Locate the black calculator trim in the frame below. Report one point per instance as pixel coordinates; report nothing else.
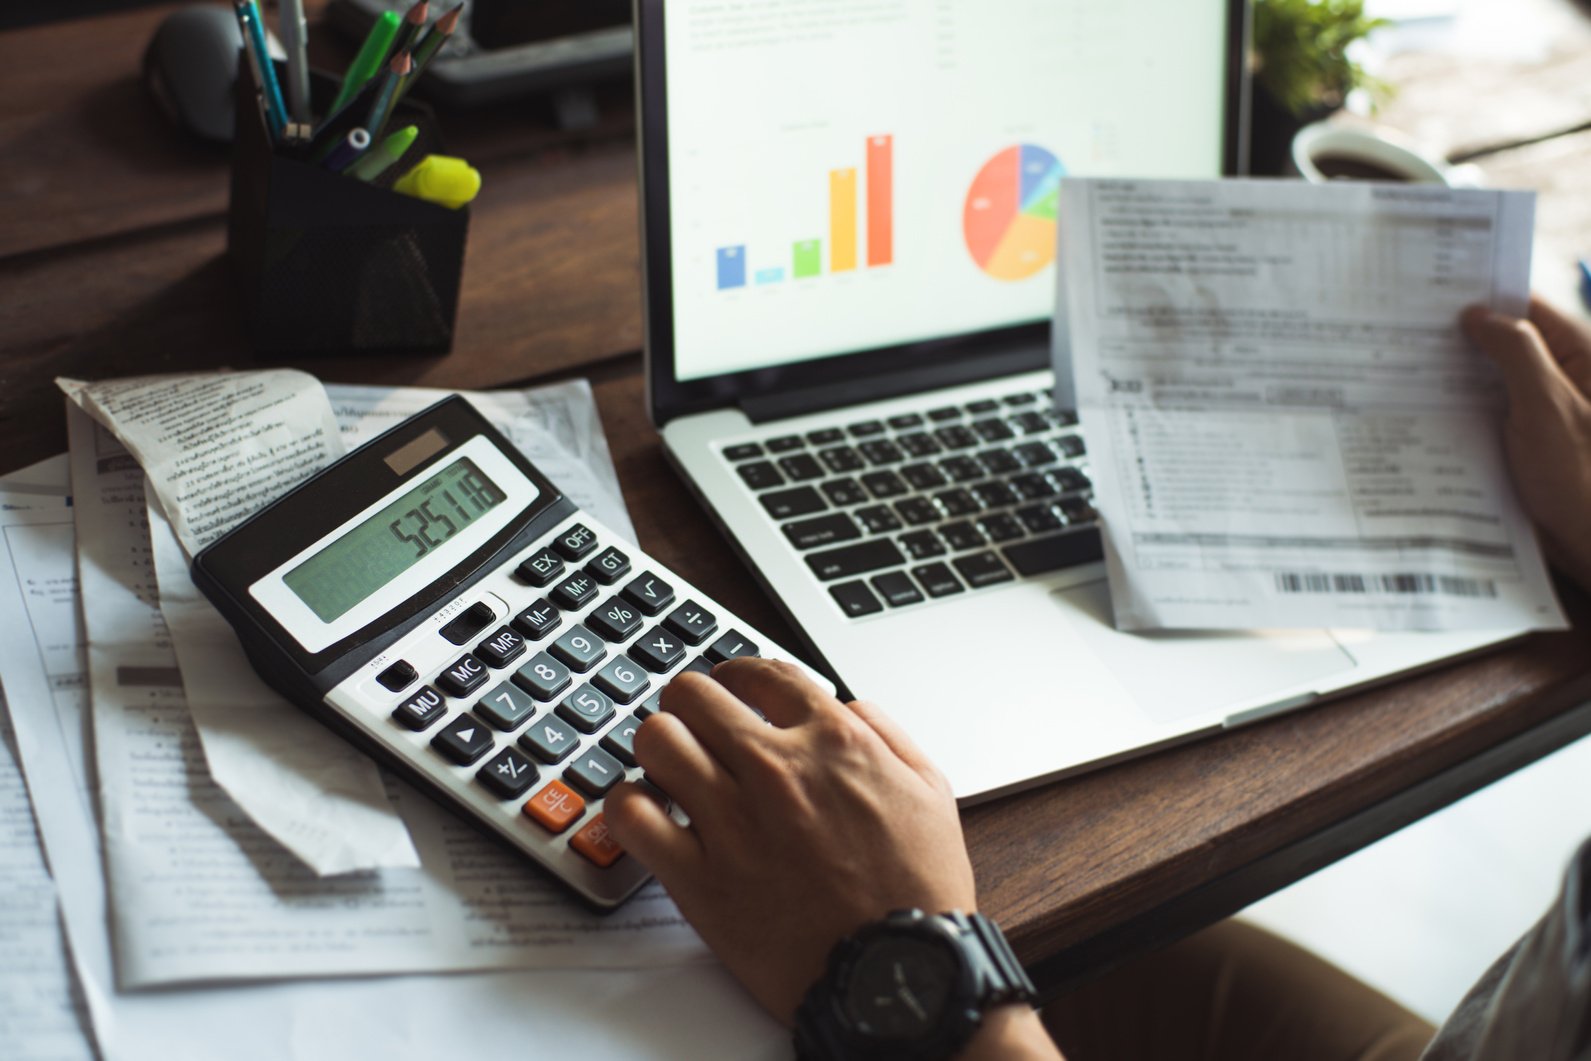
(248, 552)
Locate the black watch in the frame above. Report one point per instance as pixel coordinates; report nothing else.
(912, 987)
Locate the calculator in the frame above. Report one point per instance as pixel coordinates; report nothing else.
(436, 600)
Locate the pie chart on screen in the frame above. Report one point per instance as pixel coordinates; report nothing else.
(1009, 216)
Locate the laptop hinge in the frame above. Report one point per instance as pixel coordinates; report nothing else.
(858, 390)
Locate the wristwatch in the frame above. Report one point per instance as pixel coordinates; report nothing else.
(912, 987)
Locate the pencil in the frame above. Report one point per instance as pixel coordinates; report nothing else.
(413, 22)
(381, 109)
(432, 43)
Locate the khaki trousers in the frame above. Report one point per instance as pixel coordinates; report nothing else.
(1233, 993)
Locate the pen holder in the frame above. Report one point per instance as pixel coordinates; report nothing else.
(327, 263)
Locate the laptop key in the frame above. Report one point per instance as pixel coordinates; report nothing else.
(842, 492)
(1024, 398)
(962, 536)
(947, 412)
(955, 436)
(1035, 454)
(897, 589)
(878, 519)
(785, 443)
(962, 469)
(825, 436)
(884, 485)
(992, 430)
(1077, 510)
(958, 502)
(1070, 479)
(842, 459)
(1002, 527)
(995, 494)
(918, 511)
(1039, 519)
(801, 467)
(796, 501)
(821, 530)
(743, 451)
(918, 444)
(982, 405)
(982, 569)
(923, 476)
(904, 421)
(856, 559)
(937, 579)
(760, 475)
(855, 599)
(1071, 446)
(1038, 555)
(866, 428)
(1033, 486)
(882, 451)
(1030, 423)
(999, 461)
(922, 545)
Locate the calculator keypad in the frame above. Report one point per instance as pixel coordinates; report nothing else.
(538, 714)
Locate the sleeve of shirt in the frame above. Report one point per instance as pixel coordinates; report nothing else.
(1535, 1001)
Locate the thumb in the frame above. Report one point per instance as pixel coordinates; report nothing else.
(1532, 375)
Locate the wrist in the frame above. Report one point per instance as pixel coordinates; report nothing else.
(1011, 1032)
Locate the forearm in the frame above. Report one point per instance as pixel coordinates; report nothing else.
(1011, 1033)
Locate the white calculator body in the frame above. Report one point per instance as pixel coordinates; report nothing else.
(433, 598)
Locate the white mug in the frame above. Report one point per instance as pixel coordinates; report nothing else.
(1324, 151)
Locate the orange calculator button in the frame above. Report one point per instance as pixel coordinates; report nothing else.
(556, 807)
(596, 843)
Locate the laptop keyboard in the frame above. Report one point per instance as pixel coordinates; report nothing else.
(893, 513)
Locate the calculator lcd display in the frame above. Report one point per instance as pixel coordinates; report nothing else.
(393, 540)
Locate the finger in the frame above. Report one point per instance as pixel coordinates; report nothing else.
(1568, 341)
(644, 829)
(1535, 381)
(676, 762)
(724, 725)
(781, 691)
(896, 739)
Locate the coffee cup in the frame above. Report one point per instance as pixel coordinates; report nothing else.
(1325, 152)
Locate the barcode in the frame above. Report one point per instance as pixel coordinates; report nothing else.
(1446, 585)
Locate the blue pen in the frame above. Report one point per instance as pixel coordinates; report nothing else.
(254, 32)
(1585, 282)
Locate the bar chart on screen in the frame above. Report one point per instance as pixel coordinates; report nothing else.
(860, 235)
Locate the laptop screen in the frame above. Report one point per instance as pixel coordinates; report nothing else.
(852, 174)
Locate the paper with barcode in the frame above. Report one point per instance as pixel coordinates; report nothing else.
(1287, 427)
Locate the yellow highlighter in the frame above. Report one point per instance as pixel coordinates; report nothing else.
(439, 179)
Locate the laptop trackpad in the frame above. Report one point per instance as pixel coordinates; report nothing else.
(1176, 675)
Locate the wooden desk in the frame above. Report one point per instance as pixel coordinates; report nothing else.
(111, 235)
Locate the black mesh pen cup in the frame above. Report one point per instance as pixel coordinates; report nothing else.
(327, 263)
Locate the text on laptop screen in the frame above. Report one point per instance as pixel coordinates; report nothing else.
(850, 174)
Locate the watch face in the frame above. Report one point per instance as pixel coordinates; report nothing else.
(897, 987)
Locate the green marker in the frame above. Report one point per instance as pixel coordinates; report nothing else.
(379, 158)
(370, 59)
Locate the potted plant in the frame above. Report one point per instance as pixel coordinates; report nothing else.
(1302, 70)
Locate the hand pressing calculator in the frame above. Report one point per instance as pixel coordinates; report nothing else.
(434, 599)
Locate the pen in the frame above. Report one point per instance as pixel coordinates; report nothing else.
(254, 36)
(429, 45)
(295, 39)
(449, 182)
(381, 109)
(371, 55)
(347, 151)
(335, 126)
(1585, 282)
(380, 158)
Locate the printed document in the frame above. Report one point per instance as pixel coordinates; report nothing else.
(1286, 426)
(673, 1013)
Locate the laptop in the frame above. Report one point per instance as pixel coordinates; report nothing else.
(849, 230)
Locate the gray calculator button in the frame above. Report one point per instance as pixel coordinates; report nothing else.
(732, 645)
(650, 706)
(649, 593)
(538, 620)
(615, 619)
(699, 665)
(620, 740)
(509, 775)
(506, 706)
(575, 592)
(463, 676)
(463, 740)
(692, 622)
(549, 739)
(594, 772)
(502, 648)
(658, 649)
(543, 677)
(579, 648)
(541, 568)
(586, 709)
(623, 679)
(420, 711)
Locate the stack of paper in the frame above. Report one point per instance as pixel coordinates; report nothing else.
(164, 878)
